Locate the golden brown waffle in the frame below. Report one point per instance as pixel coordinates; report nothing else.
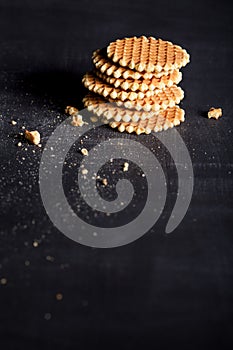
(147, 54)
(110, 111)
(132, 120)
(144, 84)
(168, 97)
(165, 119)
(95, 84)
(108, 67)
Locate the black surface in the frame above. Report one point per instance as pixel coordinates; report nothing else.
(162, 290)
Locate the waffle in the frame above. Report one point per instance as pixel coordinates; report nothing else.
(144, 84)
(108, 67)
(163, 120)
(168, 97)
(95, 84)
(110, 111)
(132, 120)
(147, 54)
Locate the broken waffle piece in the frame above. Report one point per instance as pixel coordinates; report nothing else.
(215, 113)
(32, 136)
(77, 120)
(84, 151)
(125, 166)
(71, 110)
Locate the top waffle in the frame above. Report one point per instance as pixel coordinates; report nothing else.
(147, 54)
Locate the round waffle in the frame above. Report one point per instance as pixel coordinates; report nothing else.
(143, 84)
(108, 67)
(97, 85)
(168, 97)
(111, 112)
(164, 120)
(147, 54)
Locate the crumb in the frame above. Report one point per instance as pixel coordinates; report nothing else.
(104, 182)
(94, 119)
(27, 263)
(35, 244)
(214, 113)
(84, 171)
(59, 296)
(23, 127)
(13, 122)
(84, 151)
(126, 166)
(71, 110)
(47, 316)
(77, 120)
(3, 281)
(50, 258)
(19, 144)
(33, 136)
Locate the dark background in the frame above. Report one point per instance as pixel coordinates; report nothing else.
(162, 290)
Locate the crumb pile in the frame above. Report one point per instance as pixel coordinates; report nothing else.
(139, 77)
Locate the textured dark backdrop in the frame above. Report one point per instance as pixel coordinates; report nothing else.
(159, 291)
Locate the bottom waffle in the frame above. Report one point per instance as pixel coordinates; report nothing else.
(130, 120)
(165, 119)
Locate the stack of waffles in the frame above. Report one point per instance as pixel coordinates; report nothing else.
(133, 86)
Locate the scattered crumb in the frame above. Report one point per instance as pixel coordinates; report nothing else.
(3, 281)
(104, 182)
(33, 136)
(23, 127)
(59, 296)
(47, 316)
(84, 151)
(71, 110)
(126, 166)
(35, 244)
(50, 258)
(214, 113)
(13, 122)
(77, 120)
(19, 144)
(84, 171)
(94, 119)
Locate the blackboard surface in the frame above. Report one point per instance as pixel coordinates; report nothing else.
(162, 290)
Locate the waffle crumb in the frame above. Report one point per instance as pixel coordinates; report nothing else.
(59, 296)
(13, 122)
(84, 171)
(32, 136)
(214, 113)
(71, 110)
(126, 166)
(3, 281)
(77, 120)
(19, 144)
(35, 244)
(94, 119)
(104, 182)
(84, 151)
(47, 316)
